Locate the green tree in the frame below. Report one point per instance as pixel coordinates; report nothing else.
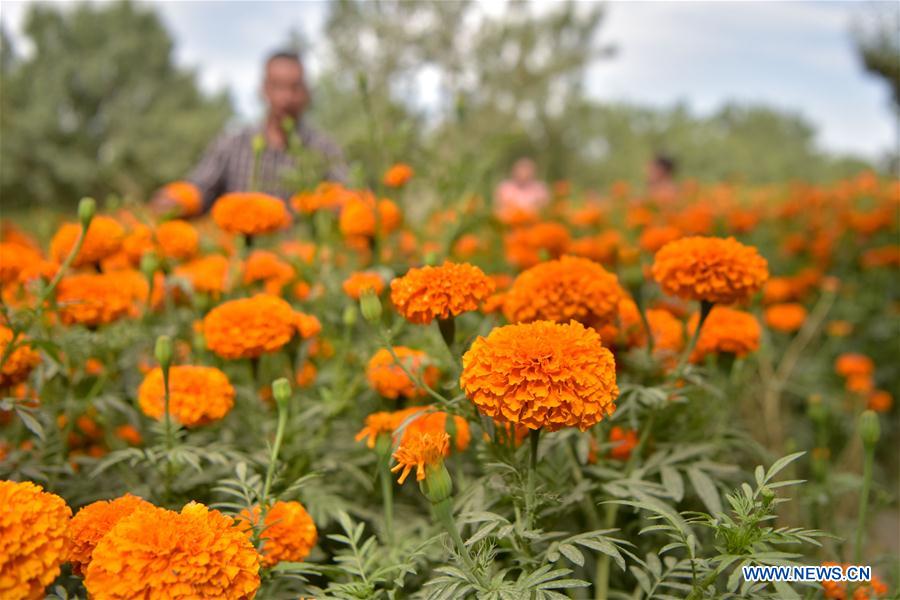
(99, 107)
(878, 45)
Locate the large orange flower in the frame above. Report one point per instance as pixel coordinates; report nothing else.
(177, 239)
(289, 533)
(187, 196)
(419, 450)
(429, 293)
(249, 327)
(250, 213)
(14, 258)
(710, 269)
(208, 274)
(99, 299)
(20, 361)
(104, 237)
(158, 553)
(33, 539)
(197, 395)
(388, 378)
(725, 331)
(542, 375)
(93, 522)
(564, 289)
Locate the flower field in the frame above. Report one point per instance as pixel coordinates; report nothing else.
(360, 395)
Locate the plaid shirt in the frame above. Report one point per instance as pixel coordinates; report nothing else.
(227, 165)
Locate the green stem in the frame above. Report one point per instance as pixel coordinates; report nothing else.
(168, 437)
(273, 458)
(864, 503)
(444, 513)
(534, 438)
(705, 309)
(387, 493)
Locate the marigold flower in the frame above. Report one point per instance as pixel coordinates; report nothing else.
(542, 375)
(725, 331)
(93, 300)
(880, 401)
(249, 327)
(33, 539)
(307, 325)
(158, 553)
(599, 248)
(527, 246)
(710, 269)
(358, 217)
(289, 533)
(129, 434)
(361, 281)
(268, 268)
(654, 238)
(104, 237)
(387, 378)
(208, 274)
(305, 375)
(864, 590)
(93, 522)
(429, 293)
(623, 442)
(419, 450)
(667, 330)
(564, 289)
(398, 175)
(14, 258)
(787, 317)
(177, 239)
(437, 422)
(385, 422)
(187, 196)
(197, 395)
(850, 364)
(20, 361)
(250, 213)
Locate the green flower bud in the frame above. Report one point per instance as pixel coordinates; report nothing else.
(87, 208)
(370, 306)
(431, 258)
(163, 351)
(149, 264)
(869, 428)
(350, 315)
(437, 485)
(281, 389)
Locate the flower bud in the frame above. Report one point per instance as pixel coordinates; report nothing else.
(431, 258)
(869, 428)
(437, 485)
(370, 306)
(149, 264)
(281, 389)
(350, 315)
(87, 208)
(163, 351)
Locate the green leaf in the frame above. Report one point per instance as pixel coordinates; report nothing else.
(781, 463)
(572, 553)
(706, 489)
(673, 482)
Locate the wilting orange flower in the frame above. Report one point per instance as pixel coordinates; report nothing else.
(267, 267)
(159, 553)
(527, 246)
(787, 317)
(207, 274)
(654, 238)
(177, 239)
(197, 395)
(864, 590)
(104, 237)
(99, 299)
(725, 331)
(542, 375)
(388, 379)
(437, 422)
(129, 434)
(14, 258)
(289, 532)
(851, 364)
(385, 422)
(249, 327)
(361, 281)
(398, 175)
(564, 289)
(429, 293)
(93, 522)
(711, 269)
(187, 195)
(20, 361)
(623, 442)
(420, 450)
(33, 539)
(250, 213)
(358, 217)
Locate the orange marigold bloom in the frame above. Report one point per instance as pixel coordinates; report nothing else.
(249, 327)
(104, 237)
(654, 238)
(711, 269)
(289, 533)
(307, 325)
(886, 256)
(839, 328)
(850, 364)
(600, 248)
(420, 450)
(93, 522)
(361, 281)
(388, 378)
(542, 375)
(187, 195)
(623, 442)
(19, 363)
(564, 289)
(177, 239)
(864, 591)
(129, 434)
(197, 395)
(267, 267)
(93, 300)
(429, 293)
(667, 330)
(398, 175)
(306, 374)
(14, 258)
(358, 217)
(437, 422)
(880, 401)
(138, 242)
(208, 274)
(727, 331)
(250, 213)
(527, 246)
(385, 422)
(787, 317)
(159, 553)
(33, 539)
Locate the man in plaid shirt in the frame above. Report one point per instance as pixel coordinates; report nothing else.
(228, 164)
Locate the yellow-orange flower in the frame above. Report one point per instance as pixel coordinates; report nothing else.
(666, 329)
(158, 553)
(710, 269)
(99, 299)
(358, 217)
(419, 450)
(429, 293)
(527, 246)
(654, 238)
(268, 268)
(187, 196)
(104, 237)
(20, 361)
(289, 533)
(437, 422)
(837, 590)
(33, 539)
(398, 175)
(786, 317)
(542, 375)
(361, 281)
(623, 442)
(385, 422)
(14, 258)
(725, 331)
(564, 289)
(93, 522)
(307, 325)
(208, 274)
(197, 395)
(388, 378)
(177, 239)
(249, 327)
(851, 364)
(250, 213)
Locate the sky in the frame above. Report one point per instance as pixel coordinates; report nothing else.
(797, 56)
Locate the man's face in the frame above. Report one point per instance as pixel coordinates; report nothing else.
(285, 89)
(523, 170)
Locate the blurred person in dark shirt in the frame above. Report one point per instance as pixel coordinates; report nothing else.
(660, 173)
